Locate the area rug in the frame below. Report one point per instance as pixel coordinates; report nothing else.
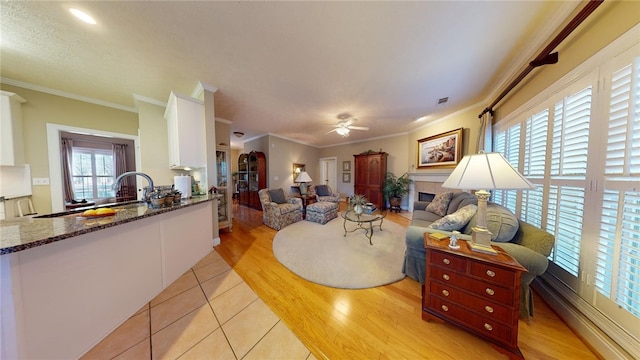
(323, 255)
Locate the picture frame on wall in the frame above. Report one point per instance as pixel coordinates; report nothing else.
(442, 150)
(346, 177)
(346, 166)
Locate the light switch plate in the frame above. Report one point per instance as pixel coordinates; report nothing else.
(40, 181)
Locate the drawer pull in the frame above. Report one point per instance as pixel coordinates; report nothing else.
(446, 261)
(491, 273)
(488, 327)
(445, 293)
(445, 308)
(446, 277)
(490, 291)
(488, 309)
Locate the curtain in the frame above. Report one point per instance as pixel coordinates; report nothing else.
(120, 159)
(484, 135)
(66, 152)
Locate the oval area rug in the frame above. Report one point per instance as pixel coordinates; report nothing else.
(321, 254)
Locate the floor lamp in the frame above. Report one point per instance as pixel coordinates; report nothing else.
(485, 171)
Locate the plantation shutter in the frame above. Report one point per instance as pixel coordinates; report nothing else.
(618, 257)
(509, 147)
(570, 141)
(535, 160)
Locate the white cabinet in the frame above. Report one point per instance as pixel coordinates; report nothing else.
(186, 132)
(12, 147)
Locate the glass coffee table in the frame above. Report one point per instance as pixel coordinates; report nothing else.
(361, 220)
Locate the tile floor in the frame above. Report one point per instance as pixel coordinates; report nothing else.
(208, 313)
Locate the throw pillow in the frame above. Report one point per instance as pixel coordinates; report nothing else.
(457, 220)
(440, 203)
(322, 190)
(277, 196)
(501, 222)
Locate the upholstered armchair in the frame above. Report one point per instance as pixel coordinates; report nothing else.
(324, 193)
(279, 209)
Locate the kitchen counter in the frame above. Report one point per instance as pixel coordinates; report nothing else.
(24, 233)
(56, 270)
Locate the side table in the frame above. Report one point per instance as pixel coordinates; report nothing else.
(306, 200)
(475, 291)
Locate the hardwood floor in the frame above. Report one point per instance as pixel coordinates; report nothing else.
(377, 323)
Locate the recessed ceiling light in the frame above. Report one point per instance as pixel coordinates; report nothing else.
(422, 118)
(83, 16)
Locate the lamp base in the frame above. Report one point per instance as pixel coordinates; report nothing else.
(481, 241)
(303, 188)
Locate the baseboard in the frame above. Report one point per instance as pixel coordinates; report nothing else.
(567, 306)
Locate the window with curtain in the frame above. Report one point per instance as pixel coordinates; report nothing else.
(579, 142)
(93, 173)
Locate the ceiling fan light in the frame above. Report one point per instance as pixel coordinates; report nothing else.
(343, 131)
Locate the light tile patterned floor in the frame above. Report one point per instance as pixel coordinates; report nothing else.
(208, 313)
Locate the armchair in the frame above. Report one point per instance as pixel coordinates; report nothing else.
(279, 209)
(324, 193)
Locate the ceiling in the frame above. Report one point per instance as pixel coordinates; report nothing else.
(284, 68)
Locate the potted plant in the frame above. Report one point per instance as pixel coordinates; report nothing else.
(394, 188)
(358, 201)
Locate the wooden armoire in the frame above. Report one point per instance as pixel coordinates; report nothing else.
(252, 176)
(369, 171)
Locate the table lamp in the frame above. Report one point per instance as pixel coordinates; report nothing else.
(485, 171)
(303, 178)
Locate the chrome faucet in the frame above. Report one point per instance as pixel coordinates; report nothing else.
(116, 184)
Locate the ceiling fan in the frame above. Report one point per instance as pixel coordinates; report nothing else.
(343, 127)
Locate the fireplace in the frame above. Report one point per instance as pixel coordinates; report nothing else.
(426, 184)
(424, 196)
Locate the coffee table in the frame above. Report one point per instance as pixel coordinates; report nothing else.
(362, 220)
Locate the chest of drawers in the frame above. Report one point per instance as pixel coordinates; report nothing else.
(476, 291)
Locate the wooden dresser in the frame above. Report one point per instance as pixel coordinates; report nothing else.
(478, 292)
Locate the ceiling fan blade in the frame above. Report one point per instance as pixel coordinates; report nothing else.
(358, 128)
(329, 132)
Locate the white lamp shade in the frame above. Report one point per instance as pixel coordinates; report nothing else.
(303, 177)
(486, 171)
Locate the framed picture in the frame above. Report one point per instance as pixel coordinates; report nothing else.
(346, 166)
(346, 177)
(440, 150)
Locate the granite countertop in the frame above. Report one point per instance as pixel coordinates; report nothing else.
(24, 233)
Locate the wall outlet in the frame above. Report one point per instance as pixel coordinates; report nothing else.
(40, 181)
(276, 178)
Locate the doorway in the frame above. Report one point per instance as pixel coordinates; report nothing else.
(329, 172)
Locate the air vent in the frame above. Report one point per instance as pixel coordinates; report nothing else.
(443, 100)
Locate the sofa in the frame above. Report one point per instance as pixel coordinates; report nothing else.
(529, 245)
(279, 209)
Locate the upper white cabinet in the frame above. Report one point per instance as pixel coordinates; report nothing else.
(12, 147)
(186, 131)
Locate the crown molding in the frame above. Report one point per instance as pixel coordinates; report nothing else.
(65, 94)
(139, 98)
(201, 87)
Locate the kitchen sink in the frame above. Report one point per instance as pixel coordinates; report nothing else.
(115, 205)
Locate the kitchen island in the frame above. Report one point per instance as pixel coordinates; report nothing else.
(68, 281)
